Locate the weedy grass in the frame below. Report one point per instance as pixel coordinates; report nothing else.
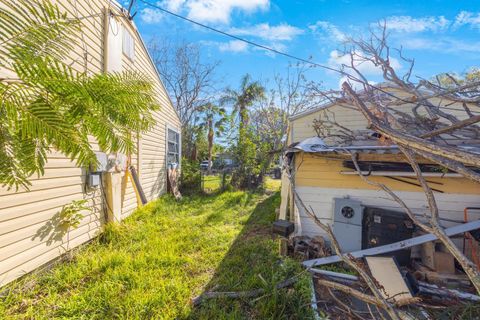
(212, 183)
(151, 265)
(272, 184)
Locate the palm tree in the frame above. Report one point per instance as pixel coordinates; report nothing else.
(213, 119)
(46, 103)
(248, 93)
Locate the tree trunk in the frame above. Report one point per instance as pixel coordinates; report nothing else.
(194, 154)
(210, 145)
(243, 117)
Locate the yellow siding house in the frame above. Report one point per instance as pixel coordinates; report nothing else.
(323, 172)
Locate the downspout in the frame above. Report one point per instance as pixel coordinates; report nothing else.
(106, 24)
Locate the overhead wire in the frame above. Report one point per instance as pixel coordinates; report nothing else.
(282, 53)
(130, 6)
(243, 39)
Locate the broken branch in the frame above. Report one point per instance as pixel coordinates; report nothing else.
(242, 294)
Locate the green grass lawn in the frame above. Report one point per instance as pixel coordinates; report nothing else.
(168, 252)
(212, 183)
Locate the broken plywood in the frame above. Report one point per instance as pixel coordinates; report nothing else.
(387, 274)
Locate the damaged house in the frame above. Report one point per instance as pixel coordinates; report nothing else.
(319, 161)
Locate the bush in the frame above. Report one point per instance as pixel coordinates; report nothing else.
(191, 179)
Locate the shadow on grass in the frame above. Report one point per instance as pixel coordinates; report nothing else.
(253, 262)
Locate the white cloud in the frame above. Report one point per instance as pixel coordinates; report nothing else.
(281, 32)
(410, 24)
(328, 30)
(233, 46)
(467, 18)
(150, 16)
(219, 11)
(214, 11)
(172, 5)
(444, 44)
(274, 37)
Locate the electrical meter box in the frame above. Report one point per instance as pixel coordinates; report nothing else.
(347, 223)
(102, 162)
(93, 180)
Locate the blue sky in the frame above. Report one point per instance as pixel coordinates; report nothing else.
(441, 35)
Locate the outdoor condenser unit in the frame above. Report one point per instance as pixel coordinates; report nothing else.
(347, 223)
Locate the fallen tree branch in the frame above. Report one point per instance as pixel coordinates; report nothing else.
(453, 127)
(386, 305)
(468, 266)
(242, 294)
(346, 308)
(452, 165)
(363, 296)
(350, 291)
(409, 141)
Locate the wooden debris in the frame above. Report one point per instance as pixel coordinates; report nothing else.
(440, 261)
(446, 293)
(425, 288)
(444, 262)
(173, 176)
(363, 296)
(306, 248)
(240, 294)
(427, 252)
(445, 278)
(386, 273)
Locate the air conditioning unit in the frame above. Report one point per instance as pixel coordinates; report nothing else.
(347, 223)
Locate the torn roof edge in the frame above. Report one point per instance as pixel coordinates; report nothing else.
(318, 145)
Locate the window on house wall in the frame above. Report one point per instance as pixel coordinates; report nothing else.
(173, 147)
(128, 46)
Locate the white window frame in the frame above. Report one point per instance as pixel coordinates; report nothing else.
(179, 134)
(128, 43)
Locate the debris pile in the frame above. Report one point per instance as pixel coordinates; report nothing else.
(306, 248)
(432, 286)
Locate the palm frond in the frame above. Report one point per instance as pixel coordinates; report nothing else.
(34, 28)
(53, 105)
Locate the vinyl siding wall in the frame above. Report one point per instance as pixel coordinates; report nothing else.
(29, 237)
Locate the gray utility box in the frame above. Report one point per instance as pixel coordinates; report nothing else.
(347, 223)
(102, 159)
(94, 179)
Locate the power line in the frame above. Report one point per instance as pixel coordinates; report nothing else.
(350, 76)
(130, 7)
(246, 40)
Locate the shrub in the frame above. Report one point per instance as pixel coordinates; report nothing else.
(191, 179)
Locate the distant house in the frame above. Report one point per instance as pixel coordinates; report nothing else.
(327, 181)
(112, 43)
(224, 159)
